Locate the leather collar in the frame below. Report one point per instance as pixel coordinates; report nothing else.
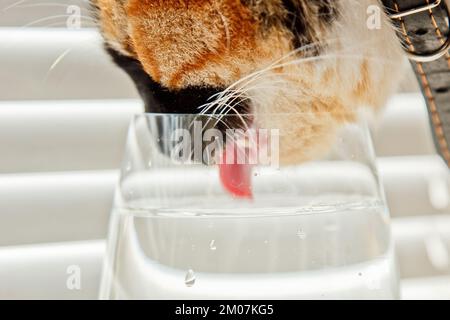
(423, 28)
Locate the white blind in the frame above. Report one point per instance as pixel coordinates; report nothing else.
(64, 112)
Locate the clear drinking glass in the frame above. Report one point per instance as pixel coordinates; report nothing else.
(245, 215)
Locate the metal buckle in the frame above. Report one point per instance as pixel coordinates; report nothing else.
(424, 57)
(409, 12)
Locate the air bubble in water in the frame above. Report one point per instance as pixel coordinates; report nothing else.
(189, 280)
(212, 245)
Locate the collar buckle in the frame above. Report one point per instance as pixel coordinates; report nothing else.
(424, 57)
(425, 7)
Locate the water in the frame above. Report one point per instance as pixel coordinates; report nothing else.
(340, 254)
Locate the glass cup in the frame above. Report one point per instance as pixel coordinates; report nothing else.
(208, 208)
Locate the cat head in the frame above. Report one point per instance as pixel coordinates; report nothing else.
(319, 60)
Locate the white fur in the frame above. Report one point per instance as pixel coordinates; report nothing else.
(318, 108)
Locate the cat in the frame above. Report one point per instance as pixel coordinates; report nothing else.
(318, 60)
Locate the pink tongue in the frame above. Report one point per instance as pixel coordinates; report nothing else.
(236, 178)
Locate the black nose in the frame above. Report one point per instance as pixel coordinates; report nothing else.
(187, 100)
(159, 99)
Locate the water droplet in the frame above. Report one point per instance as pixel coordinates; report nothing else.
(255, 174)
(266, 241)
(189, 280)
(149, 163)
(301, 234)
(128, 167)
(212, 245)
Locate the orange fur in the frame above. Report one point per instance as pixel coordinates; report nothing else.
(214, 43)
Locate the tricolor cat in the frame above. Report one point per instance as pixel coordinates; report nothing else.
(319, 60)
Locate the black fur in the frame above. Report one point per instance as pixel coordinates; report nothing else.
(158, 99)
(295, 22)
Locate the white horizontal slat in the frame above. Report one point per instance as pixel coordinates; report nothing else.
(59, 135)
(42, 271)
(78, 204)
(437, 288)
(423, 245)
(403, 127)
(55, 207)
(38, 13)
(416, 185)
(58, 64)
(63, 136)
(84, 71)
